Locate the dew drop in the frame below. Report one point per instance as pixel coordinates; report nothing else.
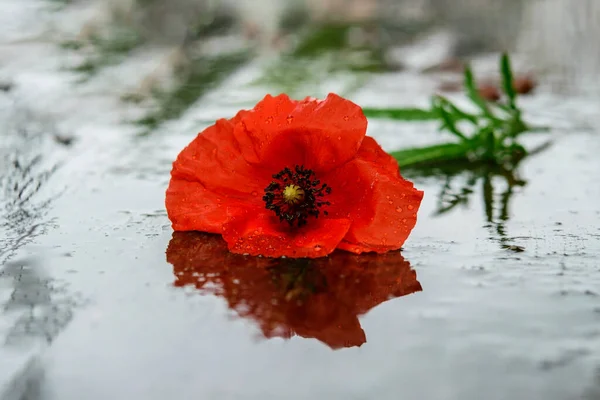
(410, 207)
(290, 119)
(254, 193)
(317, 248)
(339, 138)
(346, 118)
(404, 220)
(269, 120)
(399, 209)
(391, 202)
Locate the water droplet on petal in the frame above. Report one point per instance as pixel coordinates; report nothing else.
(410, 207)
(254, 193)
(391, 202)
(399, 209)
(404, 220)
(346, 118)
(339, 138)
(290, 119)
(317, 248)
(269, 120)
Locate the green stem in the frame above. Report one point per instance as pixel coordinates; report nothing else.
(432, 155)
(402, 114)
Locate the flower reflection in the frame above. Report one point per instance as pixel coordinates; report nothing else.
(318, 298)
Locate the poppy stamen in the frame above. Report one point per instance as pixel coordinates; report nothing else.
(296, 195)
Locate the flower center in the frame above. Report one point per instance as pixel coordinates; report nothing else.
(293, 194)
(296, 195)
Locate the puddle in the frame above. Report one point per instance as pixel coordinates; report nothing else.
(39, 306)
(30, 157)
(495, 294)
(508, 307)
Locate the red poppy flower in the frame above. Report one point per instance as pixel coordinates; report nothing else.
(312, 298)
(295, 179)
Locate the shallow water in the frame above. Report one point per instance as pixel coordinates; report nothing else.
(509, 305)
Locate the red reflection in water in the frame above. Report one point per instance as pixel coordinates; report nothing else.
(318, 298)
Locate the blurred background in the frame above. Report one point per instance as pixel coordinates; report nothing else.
(180, 48)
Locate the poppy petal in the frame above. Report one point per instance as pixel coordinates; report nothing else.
(211, 170)
(279, 132)
(263, 234)
(381, 204)
(192, 207)
(214, 159)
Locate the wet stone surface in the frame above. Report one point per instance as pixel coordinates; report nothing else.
(91, 295)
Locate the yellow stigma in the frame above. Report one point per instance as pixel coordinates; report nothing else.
(293, 194)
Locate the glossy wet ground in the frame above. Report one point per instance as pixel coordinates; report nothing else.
(92, 275)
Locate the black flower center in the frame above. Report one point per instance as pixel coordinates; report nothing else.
(296, 195)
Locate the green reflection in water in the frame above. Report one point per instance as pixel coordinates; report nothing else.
(497, 185)
(346, 53)
(202, 75)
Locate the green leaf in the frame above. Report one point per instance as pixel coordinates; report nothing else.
(493, 142)
(401, 114)
(507, 80)
(432, 155)
(459, 114)
(448, 119)
(473, 94)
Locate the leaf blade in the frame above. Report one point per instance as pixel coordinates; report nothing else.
(508, 81)
(401, 114)
(431, 155)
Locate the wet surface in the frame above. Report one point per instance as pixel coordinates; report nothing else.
(92, 273)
